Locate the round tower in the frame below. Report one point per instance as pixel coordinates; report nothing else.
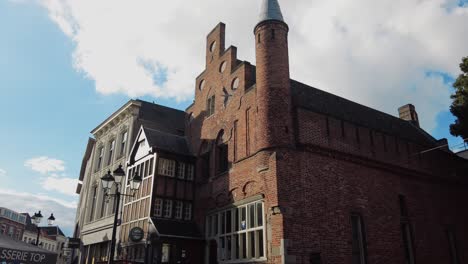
(274, 117)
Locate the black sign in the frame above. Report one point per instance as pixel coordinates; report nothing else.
(74, 243)
(9, 255)
(136, 234)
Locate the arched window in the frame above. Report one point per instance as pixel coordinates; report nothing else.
(210, 105)
(221, 154)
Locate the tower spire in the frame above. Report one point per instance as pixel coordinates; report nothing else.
(270, 10)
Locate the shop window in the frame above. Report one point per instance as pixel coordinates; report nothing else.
(236, 239)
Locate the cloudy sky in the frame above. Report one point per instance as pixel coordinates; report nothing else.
(65, 65)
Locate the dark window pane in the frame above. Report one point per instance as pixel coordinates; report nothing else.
(252, 244)
(223, 223)
(244, 245)
(216, 224)
(236, 243)
(260, 243)
(252, 216)
(236, 219)
(259, 214)
(228, 221)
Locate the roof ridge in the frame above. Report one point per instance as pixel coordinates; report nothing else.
(162, 132)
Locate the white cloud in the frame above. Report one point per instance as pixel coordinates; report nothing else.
(3, 173)
(373, 52)
(62, 185)
(45, 165)
(64, 211)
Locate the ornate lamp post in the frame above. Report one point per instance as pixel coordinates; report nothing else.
(36, 219)
(108, 181)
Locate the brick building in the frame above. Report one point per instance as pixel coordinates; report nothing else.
(287, 173)
(12, 224)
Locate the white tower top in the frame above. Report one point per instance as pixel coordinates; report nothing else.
(270, 11)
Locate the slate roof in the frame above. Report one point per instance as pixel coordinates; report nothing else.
(270, 10)
(332, 105)
(176, 228)
(167, 142)
(164, 119)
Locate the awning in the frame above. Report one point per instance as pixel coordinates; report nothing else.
(19, 252)
(176, 229)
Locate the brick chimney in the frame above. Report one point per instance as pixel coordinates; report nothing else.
(408, 113)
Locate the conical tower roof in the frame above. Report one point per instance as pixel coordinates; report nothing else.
(270, 10)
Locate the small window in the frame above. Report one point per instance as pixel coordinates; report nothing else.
(100, 157)
(158, 207)
(190, 172)
(407, 242)
(453, 247)
(222, 67)
(210, 106)
(235, 83)
(178, 210)
(188, 211)
(123, 143)
(223, 162)
(167, 208)
(358, 240)
(166, 167)
(181, 170)
(111, 152)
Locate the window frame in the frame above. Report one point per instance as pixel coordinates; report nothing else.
(166, 167)
(240, 234)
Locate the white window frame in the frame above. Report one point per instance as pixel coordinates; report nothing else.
(166, 167)
(111, 152)
(168, 208)
(188, 211)
(123, 143)
(178, 209)
(214, 232)
(158, 207)
(181, 170)
(190, 172)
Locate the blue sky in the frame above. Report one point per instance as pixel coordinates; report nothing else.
(49, 103)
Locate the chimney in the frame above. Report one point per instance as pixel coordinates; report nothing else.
(408, 113)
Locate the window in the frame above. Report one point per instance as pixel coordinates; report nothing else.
(181, 171)
(165, 253)
(453, 247)
(111, 152)
(103, 205)
(3, 229)
(407, 242)
(222, 158)
(188, 211)
(235, 139)
(359, 240)
(123, 143)
(166, 167)
(206, 160)
(235, 83)
(167, 208)
(239, 232)
(99, 161)
(150, 167)
(190, 172)
(178, 210)
(93, 203)
(210, 106)
(11, 231)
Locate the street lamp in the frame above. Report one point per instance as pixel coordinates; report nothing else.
(107, 182)
(36, 219)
